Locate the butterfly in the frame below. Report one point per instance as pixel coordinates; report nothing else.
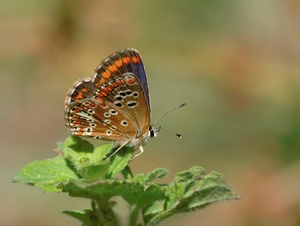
(114, 104)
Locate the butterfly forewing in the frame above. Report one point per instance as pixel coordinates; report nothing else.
(128, 60)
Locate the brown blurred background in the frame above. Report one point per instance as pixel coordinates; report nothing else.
(236, 64)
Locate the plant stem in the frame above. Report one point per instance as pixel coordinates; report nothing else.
(104, 213)
(134, 214)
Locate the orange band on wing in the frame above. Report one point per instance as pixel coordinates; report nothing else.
(131, 81)
(126, 60)
(135, 59)
(106, 74)
(119, 63)
(80, 132)
(112, 68)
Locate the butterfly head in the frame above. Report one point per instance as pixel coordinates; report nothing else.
(153, 132)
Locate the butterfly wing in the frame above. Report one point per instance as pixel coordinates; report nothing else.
(128, 60)
(116, 110)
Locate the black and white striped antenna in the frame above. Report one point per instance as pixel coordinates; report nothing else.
(163, 115)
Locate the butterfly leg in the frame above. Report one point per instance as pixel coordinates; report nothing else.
(141, 149)
(118, 149)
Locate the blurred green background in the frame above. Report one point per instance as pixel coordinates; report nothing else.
(236, 64)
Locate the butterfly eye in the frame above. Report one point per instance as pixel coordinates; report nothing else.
(152, 133)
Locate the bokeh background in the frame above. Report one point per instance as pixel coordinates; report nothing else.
(236, 64)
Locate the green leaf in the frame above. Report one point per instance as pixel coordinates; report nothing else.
(94, 171)
(156, 174)
(89, 163)
(131, 191)
(150, 177)
(87, 217)
(77, 144)
(119, 161)
(97, 215)
(46, 174)
(101, 152)
(190, 190)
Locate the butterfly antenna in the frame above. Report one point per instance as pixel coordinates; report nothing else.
(168, 112)
(169, 131)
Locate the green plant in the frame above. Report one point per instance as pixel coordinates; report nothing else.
(83, 171)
